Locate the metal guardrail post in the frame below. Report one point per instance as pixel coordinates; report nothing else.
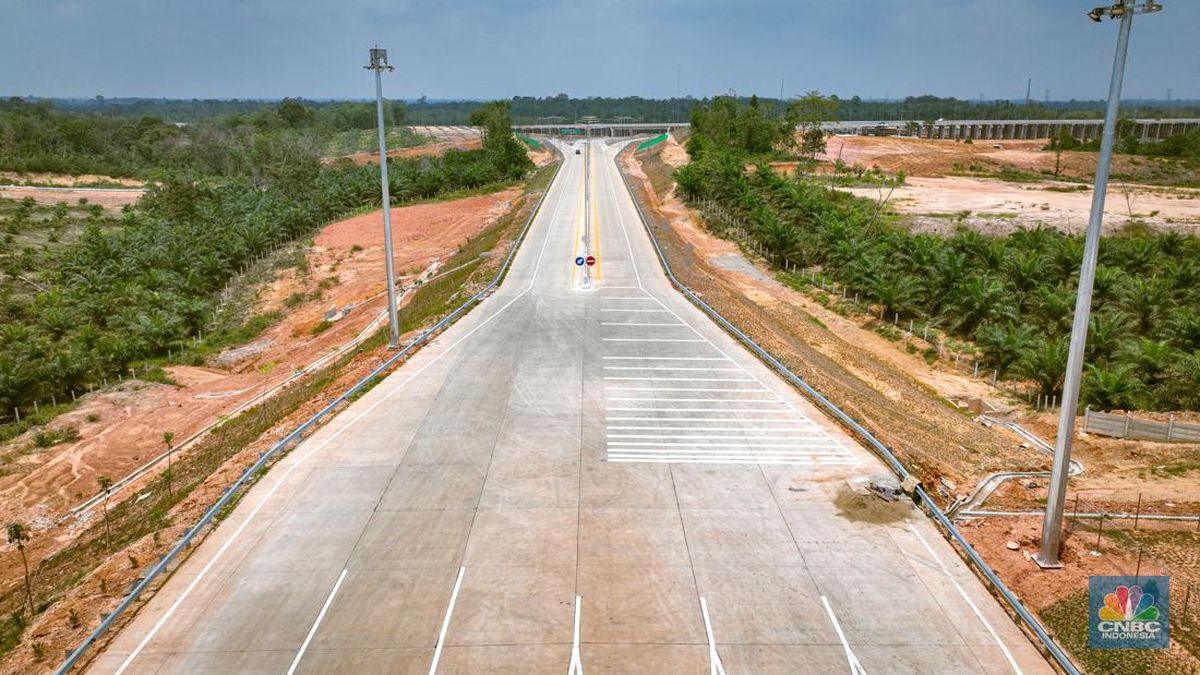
(921, 497)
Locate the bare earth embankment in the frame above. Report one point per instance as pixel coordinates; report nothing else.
(940, 194)
(911, 406)
(122, 427)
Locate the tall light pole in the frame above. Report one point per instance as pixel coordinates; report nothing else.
(379, 63)
(1052, 523)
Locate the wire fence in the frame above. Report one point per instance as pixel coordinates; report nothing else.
(1155, 536)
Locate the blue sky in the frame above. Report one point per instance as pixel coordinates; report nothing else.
(501, 48)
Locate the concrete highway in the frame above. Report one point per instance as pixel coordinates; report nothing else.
(572, 480)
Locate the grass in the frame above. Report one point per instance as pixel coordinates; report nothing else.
(1068, 619)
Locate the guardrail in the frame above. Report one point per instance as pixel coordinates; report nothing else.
(296, 435)
(921, 497)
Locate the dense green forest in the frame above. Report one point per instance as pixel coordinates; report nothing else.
(130, 289)
(40, 137)
(530, 109)
(1012, 296)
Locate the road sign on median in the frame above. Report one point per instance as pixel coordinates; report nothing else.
(591, 260)
(579, 261)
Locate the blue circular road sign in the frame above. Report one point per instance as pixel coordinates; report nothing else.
(579, 261)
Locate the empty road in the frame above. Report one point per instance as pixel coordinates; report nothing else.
(572, 479)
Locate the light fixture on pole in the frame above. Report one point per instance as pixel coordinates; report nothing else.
(1048, 555)
(379, 63)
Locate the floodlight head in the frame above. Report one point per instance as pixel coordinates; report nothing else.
(1096, 14)
(379, 60)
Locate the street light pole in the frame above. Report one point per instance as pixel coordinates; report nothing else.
(379, 64)
(1048, 556)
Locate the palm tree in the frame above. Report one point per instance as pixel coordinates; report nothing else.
(896, 291)
(18, 534)
(1111, 389)
(1146, 301)
(1046, 365)
(980, 298)
(1003, 347)
(105, 484)
(1106, 333)
(1150, 359)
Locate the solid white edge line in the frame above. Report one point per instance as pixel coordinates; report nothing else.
(856, 668)
(613, 387)
(961, 591)
(311, 451)
(715, 667)
(669, 358)
(622, 378)
(660, 325)
(575, 667)
(681, 368)
(317, 624)
(699, 400)
(650, 340)
(765, 411)
(437, 651)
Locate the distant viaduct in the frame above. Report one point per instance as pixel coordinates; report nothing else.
(1083, 130)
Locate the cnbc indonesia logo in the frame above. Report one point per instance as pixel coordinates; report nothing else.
(1128, 612)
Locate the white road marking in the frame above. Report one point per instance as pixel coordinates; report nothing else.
(767, 411)
(747, 455)
(945, 570)
(680, 368)
(643, 297)
(856, 668)
(715, 667)
(236, 535)
(317, 624)
(699, 447)
(661, 325)
(694, 400)
(740, 430)
(613, 387)
(659, 378)
(437, 651)
(630, 309)
(650, 340)
(575, 667)
(702, 419)
(669, 358)
(731, 459)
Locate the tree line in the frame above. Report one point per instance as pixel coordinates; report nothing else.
(533, 109)
(1011, 296)
(132, 290)
(39, 137)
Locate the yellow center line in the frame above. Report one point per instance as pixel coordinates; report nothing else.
(595, 222)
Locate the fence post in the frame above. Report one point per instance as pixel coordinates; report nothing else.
(1054, 402)
(1170, 427)
(35, 407)
(976, 373)
(1137, 514)
(1087, 416)
(17, 413)
(1100, 531)
(1075, 513)
(1125, 433)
